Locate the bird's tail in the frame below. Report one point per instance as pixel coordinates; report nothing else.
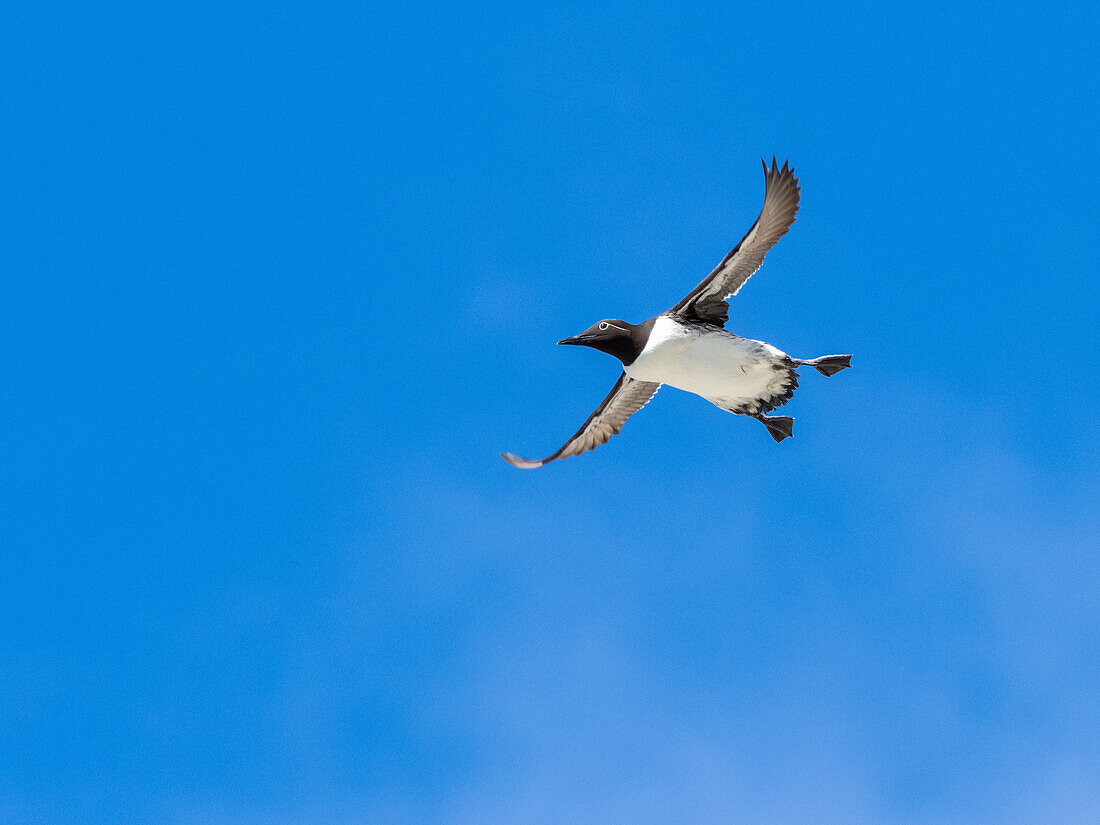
(828, 364)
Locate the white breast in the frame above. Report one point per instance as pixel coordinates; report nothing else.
(710, 362)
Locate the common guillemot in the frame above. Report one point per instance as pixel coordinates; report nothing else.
(687, 347)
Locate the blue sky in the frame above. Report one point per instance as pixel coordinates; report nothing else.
(281, 284)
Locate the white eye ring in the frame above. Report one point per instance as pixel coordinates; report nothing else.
(604, 325)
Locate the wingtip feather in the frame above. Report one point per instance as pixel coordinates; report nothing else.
(520, 461)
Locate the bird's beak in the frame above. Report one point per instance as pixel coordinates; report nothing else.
(576, 340)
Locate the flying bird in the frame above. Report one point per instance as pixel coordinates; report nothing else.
(688, 347)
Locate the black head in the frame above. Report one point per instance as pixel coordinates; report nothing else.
(614, 337)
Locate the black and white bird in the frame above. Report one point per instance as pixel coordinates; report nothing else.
(687, 347)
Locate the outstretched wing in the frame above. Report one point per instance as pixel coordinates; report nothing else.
(707, 302)
(626, 398)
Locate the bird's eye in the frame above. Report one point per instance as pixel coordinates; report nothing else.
(604, 325)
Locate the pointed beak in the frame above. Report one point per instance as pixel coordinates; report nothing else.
(576, 340)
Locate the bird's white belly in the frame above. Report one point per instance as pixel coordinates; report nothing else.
(714, 364)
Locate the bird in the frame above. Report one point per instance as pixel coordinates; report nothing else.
(688, 347)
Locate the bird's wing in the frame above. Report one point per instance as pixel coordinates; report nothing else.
(626, 398)
(707, 302)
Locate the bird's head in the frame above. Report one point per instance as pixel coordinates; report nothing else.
(615, 337)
